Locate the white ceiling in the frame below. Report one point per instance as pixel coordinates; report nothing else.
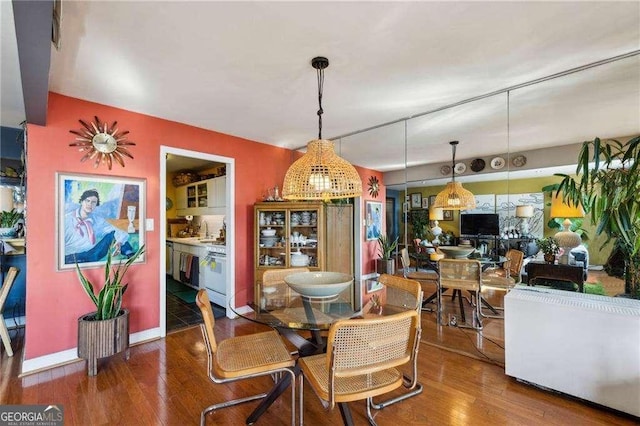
(243, 68)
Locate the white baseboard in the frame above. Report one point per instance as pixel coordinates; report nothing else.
(71, 355)
(242, 310)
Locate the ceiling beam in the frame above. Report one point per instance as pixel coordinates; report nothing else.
(33, 20)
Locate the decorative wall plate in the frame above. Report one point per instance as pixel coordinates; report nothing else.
(519, 161)
(445, 170)
(497, 163)
(460, 168)
(102, 143)
(477, 165)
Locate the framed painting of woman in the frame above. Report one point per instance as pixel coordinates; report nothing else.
(94, 213)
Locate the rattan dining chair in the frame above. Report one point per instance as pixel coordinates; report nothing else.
(362, 360)
(463, 275)
(243, 357)
(414, 290)
(504, 278)
(425, 278)
(9, 279)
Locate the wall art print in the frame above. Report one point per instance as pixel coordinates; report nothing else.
(373, 219)
(93, 211)
(506, 209)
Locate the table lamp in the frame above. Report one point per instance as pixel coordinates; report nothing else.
(524, 212)
(436, 214)
(566, 238)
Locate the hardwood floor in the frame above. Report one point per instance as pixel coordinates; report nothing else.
(165, 383)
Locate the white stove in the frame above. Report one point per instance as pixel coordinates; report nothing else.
(215, 273)
(217, 249)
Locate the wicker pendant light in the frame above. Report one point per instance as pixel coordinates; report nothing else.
(320, 174)
(454, 196)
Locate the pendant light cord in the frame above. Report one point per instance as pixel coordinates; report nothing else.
(320, 110)
(453, 161)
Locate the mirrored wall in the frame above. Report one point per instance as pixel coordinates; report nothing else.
(511, 143)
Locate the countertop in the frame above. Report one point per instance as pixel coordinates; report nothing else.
(196, 241)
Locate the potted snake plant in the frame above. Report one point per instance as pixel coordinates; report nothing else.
(105, 332)
(385, 264)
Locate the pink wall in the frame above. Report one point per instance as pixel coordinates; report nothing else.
(55, 299)
(370, 248)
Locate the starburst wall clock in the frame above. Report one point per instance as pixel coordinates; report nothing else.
(102, 143)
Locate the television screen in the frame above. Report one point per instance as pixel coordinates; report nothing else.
(479, 224)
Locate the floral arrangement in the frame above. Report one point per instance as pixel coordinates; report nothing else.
(548, 245)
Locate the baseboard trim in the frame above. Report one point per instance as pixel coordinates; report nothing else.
(35, 365)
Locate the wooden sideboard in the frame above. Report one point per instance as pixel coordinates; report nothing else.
(556, 272)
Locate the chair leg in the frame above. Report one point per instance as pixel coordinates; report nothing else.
(462, 316)
(226, 404)
(4, 333)
(417, 389)
(345, 412)
(372, 422)
(494, 309)
(301, 398)
(476, 320)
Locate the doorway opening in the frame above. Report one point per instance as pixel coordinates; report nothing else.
(187, 230)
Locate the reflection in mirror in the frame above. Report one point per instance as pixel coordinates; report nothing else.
(480, 128)
(512, 143)
(573, 106)
(385, 149)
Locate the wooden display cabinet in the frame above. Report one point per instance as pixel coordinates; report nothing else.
(323, 233)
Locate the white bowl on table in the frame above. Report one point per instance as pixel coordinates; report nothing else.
(319, 283)
(456, 252)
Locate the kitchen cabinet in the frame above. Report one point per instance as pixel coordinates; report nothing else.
(217, 190)
(202, 198)
(315, 235)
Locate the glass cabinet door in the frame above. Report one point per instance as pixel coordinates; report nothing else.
(303, 237)
(202, 194)
(272, 237)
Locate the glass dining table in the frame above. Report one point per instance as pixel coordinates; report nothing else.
(296, 316)
(304, 321)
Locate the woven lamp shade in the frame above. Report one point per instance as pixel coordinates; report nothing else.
(320, 174)
(455, 197)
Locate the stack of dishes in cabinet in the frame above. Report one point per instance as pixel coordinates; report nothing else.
(299, 259)
(268, 238)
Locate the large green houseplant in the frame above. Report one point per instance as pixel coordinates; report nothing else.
(105, 332)
(607, 183)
